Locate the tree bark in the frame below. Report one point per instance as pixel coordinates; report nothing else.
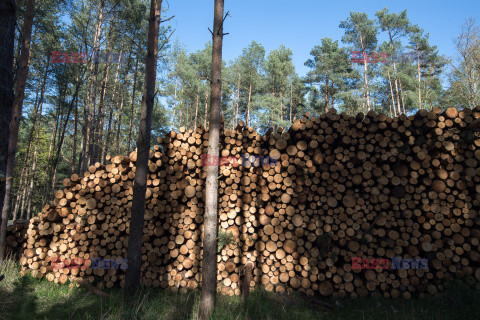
(174, 104)
(134, 254)
(391, 92)
(98, 133)
(209, 262)
(206, 109)
(21, 82)
(133, 104)
(119, 123)
(247, 120)
(419, 81)
(75, 135)
(327, 98)
(90, 154)
(196, 113)
(34, 164)
(291, 101)
(50, 150)
(365, 72)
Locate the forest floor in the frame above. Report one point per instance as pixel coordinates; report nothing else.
(26, 298)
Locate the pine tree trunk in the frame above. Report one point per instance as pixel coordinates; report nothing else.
(327, 98)
(106, 140)
(397, 92)
(206, 109)
(247, 120)
(365, 72)
(92, 96)
(75, 136)
(83, 154)
(401, 96)
(391, 92)
(21, 82)
(133, 105)
(49, 157)
(134, 253)
(34, 165)
(196, 113)
(419, 80)
(237, 102)
(98, 133)
(209, 262)
(174, 104)
(291, 101)
(119, 123)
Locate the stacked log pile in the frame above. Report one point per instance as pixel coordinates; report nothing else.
(343, 187)
(16, 236)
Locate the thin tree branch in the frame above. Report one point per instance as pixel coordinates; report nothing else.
(167, 19)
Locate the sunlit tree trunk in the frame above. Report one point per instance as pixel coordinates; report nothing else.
(209, 261)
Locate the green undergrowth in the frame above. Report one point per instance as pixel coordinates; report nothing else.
(26, 298)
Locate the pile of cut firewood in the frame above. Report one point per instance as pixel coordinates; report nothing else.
(302, 205)
(16, 236)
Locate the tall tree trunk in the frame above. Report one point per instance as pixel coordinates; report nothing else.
(401, 96)
(397, 91)
(75, 135)
(34, 164)
(365, 77)
(106, 140)
(281, 105)
(327, 98)
(92, 102)
(291, 101)
(237, 101)
(209, 261)
(196, 113)
(83, 154)
(98, 132)
(175, 103)
(206, 109)
(247, 117)
(391, 92)
(133, 104)
(134, 253)
(119, 123)
(49, 157)
(21, 82)
(419, 80)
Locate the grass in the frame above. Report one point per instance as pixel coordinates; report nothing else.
(25, 298)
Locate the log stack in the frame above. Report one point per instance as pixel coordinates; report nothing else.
(365, 186)
(16, 236)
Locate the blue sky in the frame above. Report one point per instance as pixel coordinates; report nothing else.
(301, 24)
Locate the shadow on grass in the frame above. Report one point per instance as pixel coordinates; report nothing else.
(29, 298)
